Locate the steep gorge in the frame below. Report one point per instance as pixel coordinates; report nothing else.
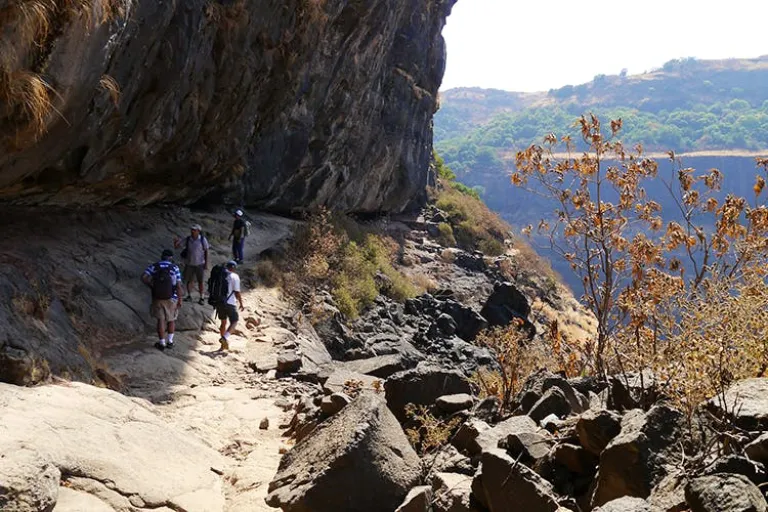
(278, 104)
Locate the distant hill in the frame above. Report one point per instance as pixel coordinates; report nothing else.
(687, 105)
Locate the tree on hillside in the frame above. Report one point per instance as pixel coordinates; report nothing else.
(679, 297)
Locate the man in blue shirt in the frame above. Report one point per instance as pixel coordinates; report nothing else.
(164, 279)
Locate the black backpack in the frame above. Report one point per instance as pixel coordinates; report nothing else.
(218, 286)
(163, 283)
(185, 252)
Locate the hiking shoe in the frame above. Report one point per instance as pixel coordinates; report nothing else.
(224, 343)
(189, 298)
(160, 346)
(169, 344)
(201, 301)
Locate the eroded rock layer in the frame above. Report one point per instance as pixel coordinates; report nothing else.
(281, 104)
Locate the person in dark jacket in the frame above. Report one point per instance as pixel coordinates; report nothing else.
(238, 237)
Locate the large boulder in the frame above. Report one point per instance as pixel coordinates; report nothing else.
(360, 459)
(724, 492)
(632, 390)
(452, 493)
(596, 428)
(637, 459)
(95, 436)
(745, 403)
(758, 449)
(508, 485)
(489, 439)
(29, 482)
(422, 385)
(547, 393)
(507, 304)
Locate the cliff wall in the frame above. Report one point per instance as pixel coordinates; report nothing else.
(279, 104)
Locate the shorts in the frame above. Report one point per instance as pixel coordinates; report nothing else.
(228, 312)
(194, 273)
(164, 310)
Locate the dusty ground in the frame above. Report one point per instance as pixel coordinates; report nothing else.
(224, 398)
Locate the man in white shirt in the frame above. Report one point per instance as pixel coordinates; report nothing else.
(228, 310)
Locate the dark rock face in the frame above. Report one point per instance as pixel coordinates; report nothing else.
(278, 104)
(422, 386)
(638, 458)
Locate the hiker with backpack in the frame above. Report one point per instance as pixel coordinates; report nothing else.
(164, 279)
(195, 256)
(224, 295)
(239, 231)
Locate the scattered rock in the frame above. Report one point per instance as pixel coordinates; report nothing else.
(669, 494)
(380, 366)
(449, 460)
(489, 439)
(341, 380)
(446, 324)
(264, 424)
(468, 321)
(361, 450)
(488, 409)
(746, 402)
(596, 428)
(422, 385)
(28, 481)
(454, 403)
(451, 493)
(553, 402)
(334, 403)
(530, 447)
(755, 471)
(632, 390)
(288, 362)
(507, 304)
(465, 438)
(625, 504)
(417, 500)
(724, 492)
(636, 459)
(508, 485)
(537, 385)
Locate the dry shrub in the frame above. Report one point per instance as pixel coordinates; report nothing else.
(332, 251)
(268, 273)
(423, 282)
(448, 256)
(472, 222)
(516, 358)
(685, 297)
(110, 85)
(446, 234)
(28, 99)
(429, 433)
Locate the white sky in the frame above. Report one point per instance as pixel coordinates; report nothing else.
(529, 45)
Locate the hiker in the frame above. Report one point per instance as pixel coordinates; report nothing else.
(164, 279)
(238, 233)
(224, 295)
(195, 255)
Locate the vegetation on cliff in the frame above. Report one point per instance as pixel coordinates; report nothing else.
(688, 105)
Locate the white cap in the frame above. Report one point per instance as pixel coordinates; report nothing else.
(197, 227)
(239, 213)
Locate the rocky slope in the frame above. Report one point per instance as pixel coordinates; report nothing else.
(281, 104)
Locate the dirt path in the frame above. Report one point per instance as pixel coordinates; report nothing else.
(224, 398)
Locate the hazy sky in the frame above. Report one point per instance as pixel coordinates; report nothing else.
(526, 45)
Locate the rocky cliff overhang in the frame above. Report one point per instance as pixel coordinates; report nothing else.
(278, 104)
